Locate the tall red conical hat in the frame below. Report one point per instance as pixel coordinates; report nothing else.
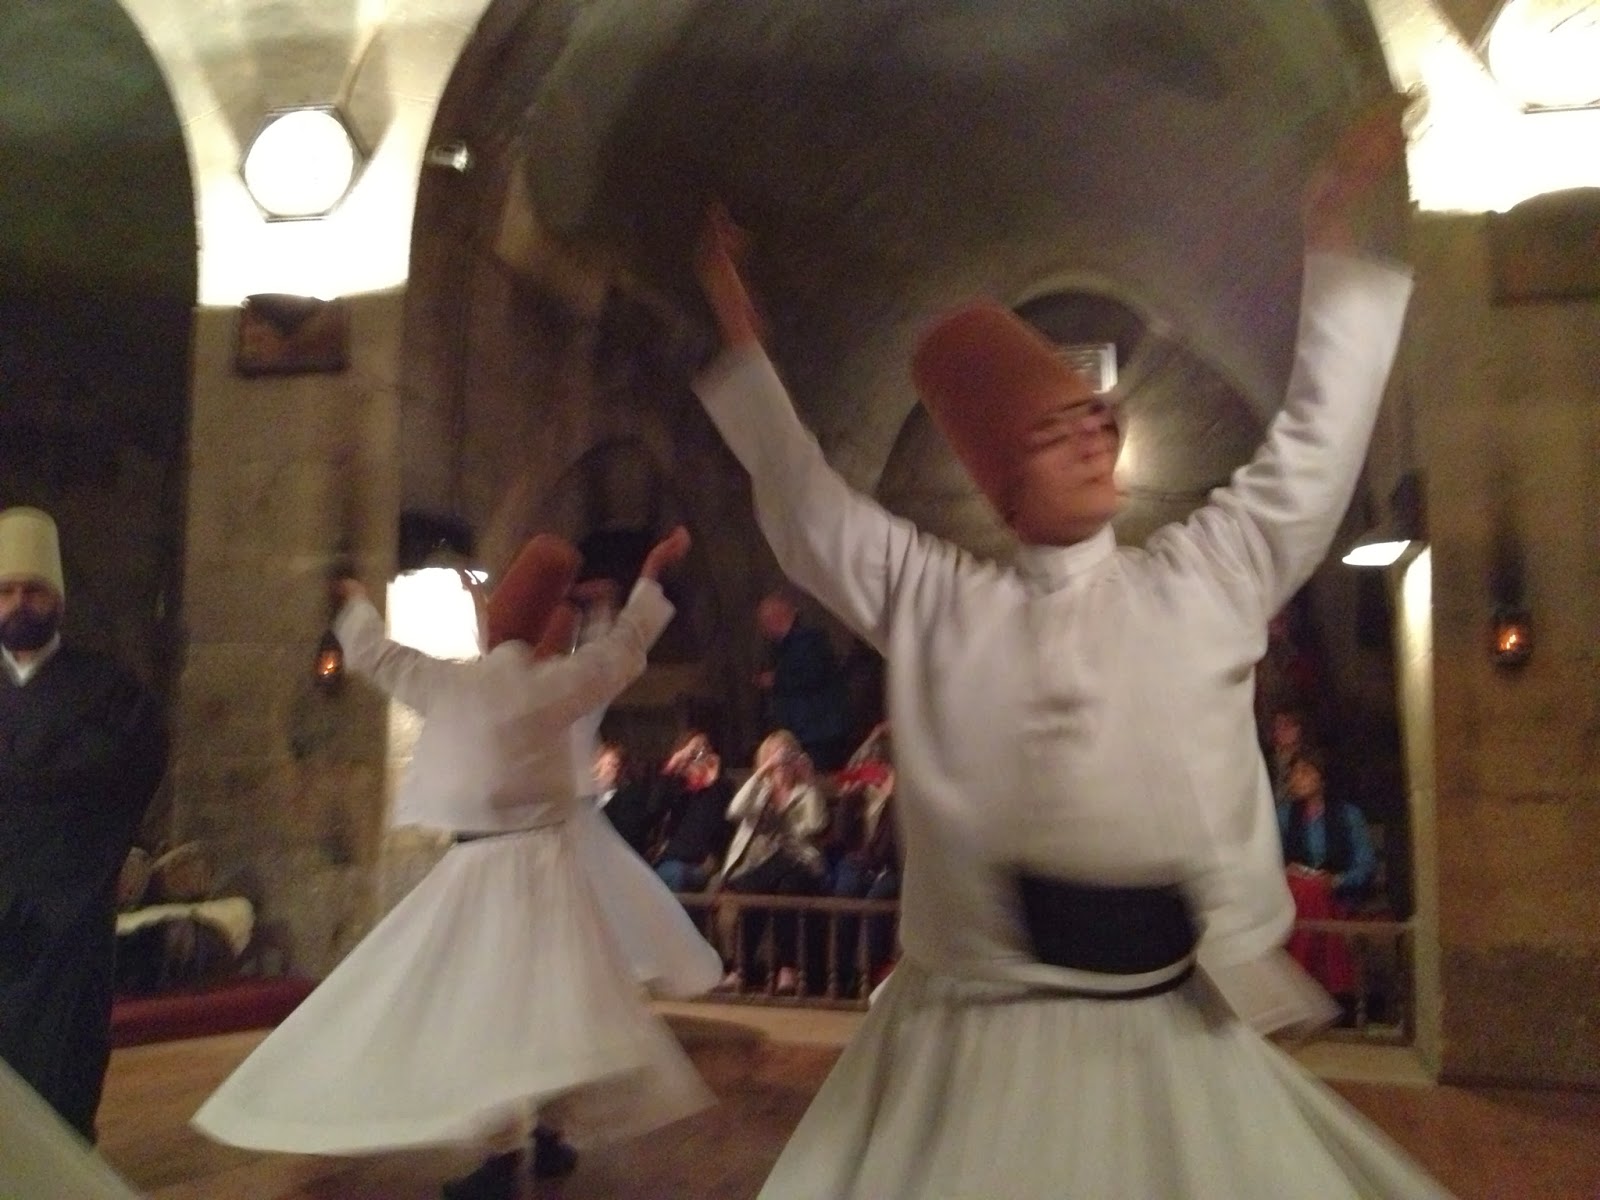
(560, 631)
(987, 377)
(538, 579)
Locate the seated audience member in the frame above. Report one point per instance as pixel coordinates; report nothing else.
(692, 797)
(1287, 737)
(627, 801)
(1327, 852)
(780, 812)
(865, 853)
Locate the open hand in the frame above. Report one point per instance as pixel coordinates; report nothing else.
(717, 264)
(668, 552)
(1364, 156)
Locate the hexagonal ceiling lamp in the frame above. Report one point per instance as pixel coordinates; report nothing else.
(301, 163)
(1546, 52)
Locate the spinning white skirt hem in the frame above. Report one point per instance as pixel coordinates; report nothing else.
(44, 1157)
(498, 987)
(959, 1090)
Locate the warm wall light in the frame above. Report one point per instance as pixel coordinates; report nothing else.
(1513, 637)
(1386, 544)
(1511, 640)
(327, 669)
(301, 163)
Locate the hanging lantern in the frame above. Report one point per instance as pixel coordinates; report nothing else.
(327, 670)
(1513, 637)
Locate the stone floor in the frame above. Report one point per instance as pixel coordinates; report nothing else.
(1485, 1144)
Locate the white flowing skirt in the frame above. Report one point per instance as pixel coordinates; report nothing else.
(499, 986)
(661, 944)
(42, 1157)
(956, 1090)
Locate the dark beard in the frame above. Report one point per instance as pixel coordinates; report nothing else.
(25, 631)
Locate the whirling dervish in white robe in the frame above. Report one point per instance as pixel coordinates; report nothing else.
(1093, 904)
(498, 988)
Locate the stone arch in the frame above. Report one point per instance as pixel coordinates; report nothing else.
(97, 254)
(387, 72)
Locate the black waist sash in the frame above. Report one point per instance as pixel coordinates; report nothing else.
(1108, 930)
(460, 838)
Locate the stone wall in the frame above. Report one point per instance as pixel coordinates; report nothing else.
(285, 784)
(1508, 406)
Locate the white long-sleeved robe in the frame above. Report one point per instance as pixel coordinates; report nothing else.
(1084, 713)
(495, 751)
(507, 979)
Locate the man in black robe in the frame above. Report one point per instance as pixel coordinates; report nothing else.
(82, 750)
(805, 690)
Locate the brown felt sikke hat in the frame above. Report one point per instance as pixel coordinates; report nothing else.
(987, 377)
(560, 631)
(533, 586)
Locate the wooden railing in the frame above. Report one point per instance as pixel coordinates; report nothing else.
(1381, 1009)
(722, 915)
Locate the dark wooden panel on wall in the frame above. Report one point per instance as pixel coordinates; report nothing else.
(292, 335)
(1547, 248)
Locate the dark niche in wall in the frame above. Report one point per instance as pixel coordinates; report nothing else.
(291, 335)
(1547, 248)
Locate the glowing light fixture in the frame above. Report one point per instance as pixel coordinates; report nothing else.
(1512, 637)
(327, 669)
(1511, 627)
(301, 163)
(1547, 52)
(1386, 544)
(1380, 547)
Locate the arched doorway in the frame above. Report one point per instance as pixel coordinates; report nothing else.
(97, 291)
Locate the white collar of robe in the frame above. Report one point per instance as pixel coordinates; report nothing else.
(1051, 568)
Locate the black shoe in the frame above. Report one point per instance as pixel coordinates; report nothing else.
(496, 1179)
(552, 1157)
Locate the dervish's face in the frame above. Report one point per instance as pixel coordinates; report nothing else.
(1065, 487)
(30, 614)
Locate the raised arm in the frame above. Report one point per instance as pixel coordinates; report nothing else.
(407, 674)
(747, 800)
(810, 816)
(838, 545)
(1271, 526)
(557, 691)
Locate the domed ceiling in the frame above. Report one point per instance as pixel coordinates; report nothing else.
(1131, 172)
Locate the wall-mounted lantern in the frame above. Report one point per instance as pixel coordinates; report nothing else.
(327, 668)
(1511, 636)
(1512, 642)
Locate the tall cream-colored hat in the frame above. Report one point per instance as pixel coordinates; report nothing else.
(30, 549)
